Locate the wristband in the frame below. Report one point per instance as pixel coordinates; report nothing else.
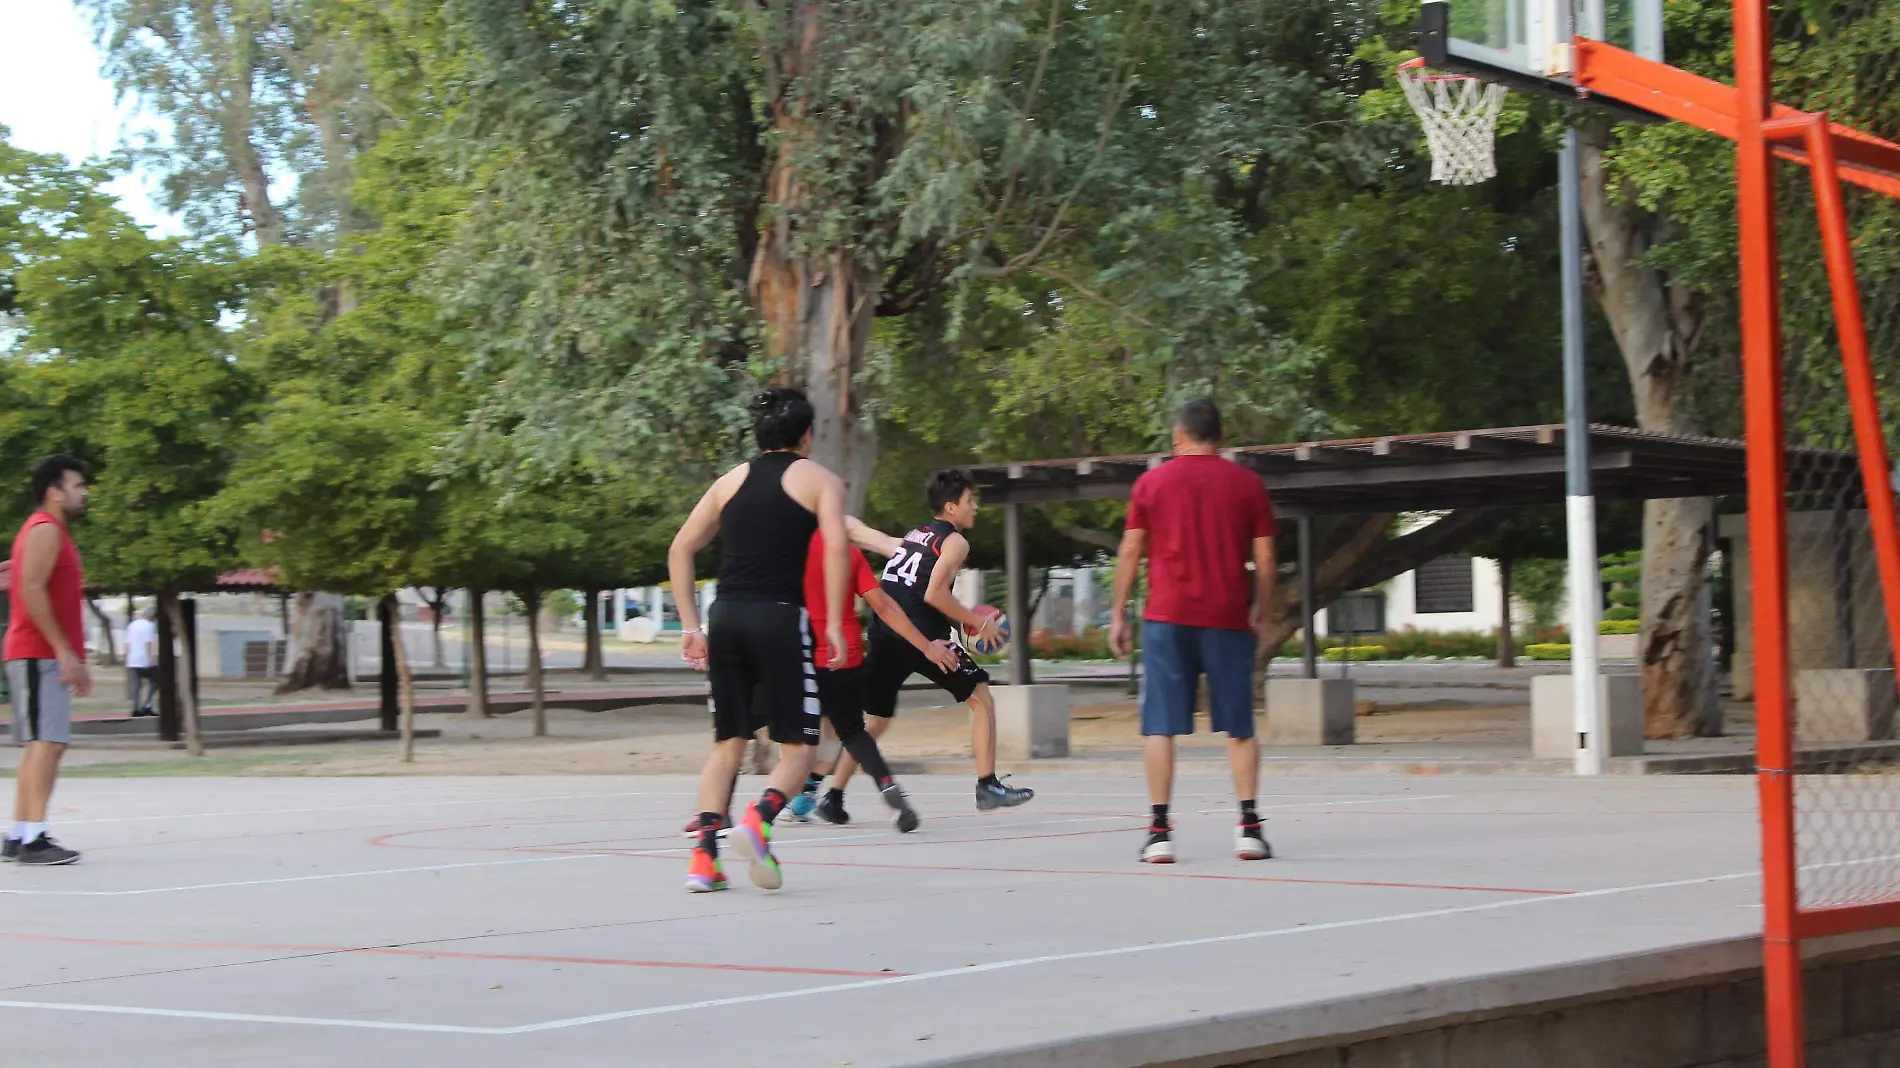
(694, 630)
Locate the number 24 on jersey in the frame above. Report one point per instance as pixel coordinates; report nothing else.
(902, 566)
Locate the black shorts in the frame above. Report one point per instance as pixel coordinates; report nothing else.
(891, 660)
(841, 696)
(759, 654)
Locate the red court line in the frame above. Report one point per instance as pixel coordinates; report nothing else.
(398, 951)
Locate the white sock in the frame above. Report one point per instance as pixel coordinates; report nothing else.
(31, 831)
(17, 832)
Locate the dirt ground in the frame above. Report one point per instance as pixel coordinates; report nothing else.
(672, 739)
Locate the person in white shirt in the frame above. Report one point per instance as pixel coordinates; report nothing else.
(141, 658)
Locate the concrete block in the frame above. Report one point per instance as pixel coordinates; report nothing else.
(1844, 704)
(1312, 1058)
(1032, 722)
(1732, 1020)
(1871, 996)
(1661, 1030)
(1510, 1042)
(1553, 725)
(1309, 712)
(1420, 1049)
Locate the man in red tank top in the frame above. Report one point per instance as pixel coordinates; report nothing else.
(45, 652)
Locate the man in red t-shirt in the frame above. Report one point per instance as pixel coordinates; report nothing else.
(45, 652)
(1200, 519)
(841, 689)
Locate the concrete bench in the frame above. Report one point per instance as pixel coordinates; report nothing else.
(1843, 704)
(1309, 712)
(1553, 719)
(1032, 722)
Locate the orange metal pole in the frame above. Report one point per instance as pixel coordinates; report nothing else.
(1870, 441)
(1768, 532)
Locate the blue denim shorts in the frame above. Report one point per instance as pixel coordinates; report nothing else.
(1175, 657)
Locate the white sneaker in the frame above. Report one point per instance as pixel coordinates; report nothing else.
(1251, 846)
(1159, 850)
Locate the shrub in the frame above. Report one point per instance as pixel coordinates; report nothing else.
(1091, 644)
(1548, 651)
(1632, 598)
(1621, 613)
(1619, 626)
(1355, 653)
(1623, 574)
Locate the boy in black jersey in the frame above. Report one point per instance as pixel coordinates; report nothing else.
(918, 575)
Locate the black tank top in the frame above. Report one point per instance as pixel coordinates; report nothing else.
(907, 576)
(763, 536)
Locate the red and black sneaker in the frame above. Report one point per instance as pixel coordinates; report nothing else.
(1159, 848)
(692, 826)
(1250, 844)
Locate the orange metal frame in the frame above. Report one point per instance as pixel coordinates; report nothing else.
(1763, 131)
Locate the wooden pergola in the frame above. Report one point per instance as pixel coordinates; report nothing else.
(1510, 467)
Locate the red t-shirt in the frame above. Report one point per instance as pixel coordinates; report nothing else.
(863, 580)
(65, 587)
(1202, 514)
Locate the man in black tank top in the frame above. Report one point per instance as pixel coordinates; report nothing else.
(758, 645)
(918, 575)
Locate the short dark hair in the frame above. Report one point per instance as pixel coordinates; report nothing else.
(1200, 420)
(947, 487)
(52, 470)
(780, 418)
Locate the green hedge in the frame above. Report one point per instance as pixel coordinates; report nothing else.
(1548, 651)
(1619, 626)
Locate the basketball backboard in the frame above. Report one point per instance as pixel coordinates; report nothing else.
(1526, 43)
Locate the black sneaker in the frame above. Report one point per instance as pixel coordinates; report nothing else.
(1159, 848)
(991, 795)
(906, 819)
(10, 851)
(1250, 844)
(831, 809)
(43, 850)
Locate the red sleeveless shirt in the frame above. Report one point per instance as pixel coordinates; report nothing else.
(66, 587)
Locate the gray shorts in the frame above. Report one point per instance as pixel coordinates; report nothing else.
(42, 705)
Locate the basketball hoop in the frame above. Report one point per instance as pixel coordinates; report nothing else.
(1460, 116)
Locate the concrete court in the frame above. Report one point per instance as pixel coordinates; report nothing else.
(500, 921)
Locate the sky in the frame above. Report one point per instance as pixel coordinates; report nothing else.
(53, 98)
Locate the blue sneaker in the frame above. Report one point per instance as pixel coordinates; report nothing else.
(802, 805)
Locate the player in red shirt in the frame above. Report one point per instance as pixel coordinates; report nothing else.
(45, 652)
(841, 689)
(1200, 519)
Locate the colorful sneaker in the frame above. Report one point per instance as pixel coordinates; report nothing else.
(10, 850)
(703, 873)
(1250, 844)
(1159, 848)
(991, 795)
(831, 810)
(802, 805)
(752, 839)
(905, 817)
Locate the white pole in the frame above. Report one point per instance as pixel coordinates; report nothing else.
(1579, 504)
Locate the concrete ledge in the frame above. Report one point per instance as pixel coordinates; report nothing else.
(1309, 712)
(1696, 1006)
(1553, 723)
(1032, 722)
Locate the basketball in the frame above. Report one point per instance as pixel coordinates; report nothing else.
(997, 639)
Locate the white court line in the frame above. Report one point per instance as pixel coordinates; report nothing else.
(869, 984)
(306, 878)
(359, 808)
(656, 852)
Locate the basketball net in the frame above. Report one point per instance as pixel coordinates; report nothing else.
(1460, 116)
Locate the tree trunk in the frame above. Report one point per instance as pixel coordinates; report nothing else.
(817, 304)
(405, 686)
(187, 698)
(477, 658)
(437, 603)
(105, 627)
(1656, 327)
(537, 697)
(592, 663)
(319, 645)
(1507, 641)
